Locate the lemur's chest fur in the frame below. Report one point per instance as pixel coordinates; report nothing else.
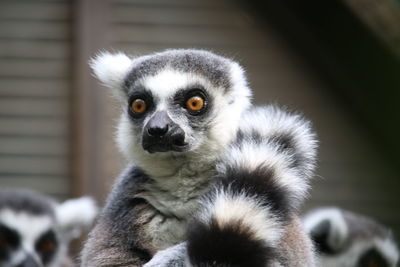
(173, 201)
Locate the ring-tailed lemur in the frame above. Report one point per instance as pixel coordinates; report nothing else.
(209, 173)
(35, 230)
(346, 239)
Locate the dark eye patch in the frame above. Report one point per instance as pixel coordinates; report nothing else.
(9, 240)
(9, 236)
(372, 258)
(182, 96)
(47, 246)
(148, 99)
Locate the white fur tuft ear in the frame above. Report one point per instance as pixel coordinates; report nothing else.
(76, 214)
(111, 69)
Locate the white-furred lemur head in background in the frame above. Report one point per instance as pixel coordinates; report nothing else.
(35, 230)
(174, 101)
(346, 239)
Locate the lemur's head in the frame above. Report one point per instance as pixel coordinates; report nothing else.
(35, 230)
(346, 239)
(174, 102)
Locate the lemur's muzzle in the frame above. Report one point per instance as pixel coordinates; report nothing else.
(28, 262)
(161, 134)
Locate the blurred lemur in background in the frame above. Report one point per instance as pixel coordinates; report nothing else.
(213, 180)
(346, 239)
(35, 230)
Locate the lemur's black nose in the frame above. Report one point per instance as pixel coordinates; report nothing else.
(162, 134)
(157, 130)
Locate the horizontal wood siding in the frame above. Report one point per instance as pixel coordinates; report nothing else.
(34, 95)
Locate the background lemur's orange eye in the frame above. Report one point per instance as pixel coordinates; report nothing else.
(47, 245)
(138, 106)
(3, 241)
(195, 103)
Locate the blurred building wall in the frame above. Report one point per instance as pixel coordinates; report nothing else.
(35, 84)
(43, 73)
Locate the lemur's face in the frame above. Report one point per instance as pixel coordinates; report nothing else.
(27, 240)
(173, 111)
(35, 230)
(175, 101)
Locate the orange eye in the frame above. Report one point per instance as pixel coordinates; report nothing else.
(138, 106)
(195, 103)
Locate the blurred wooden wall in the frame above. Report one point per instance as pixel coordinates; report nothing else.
(35, 84)
(352, 173)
